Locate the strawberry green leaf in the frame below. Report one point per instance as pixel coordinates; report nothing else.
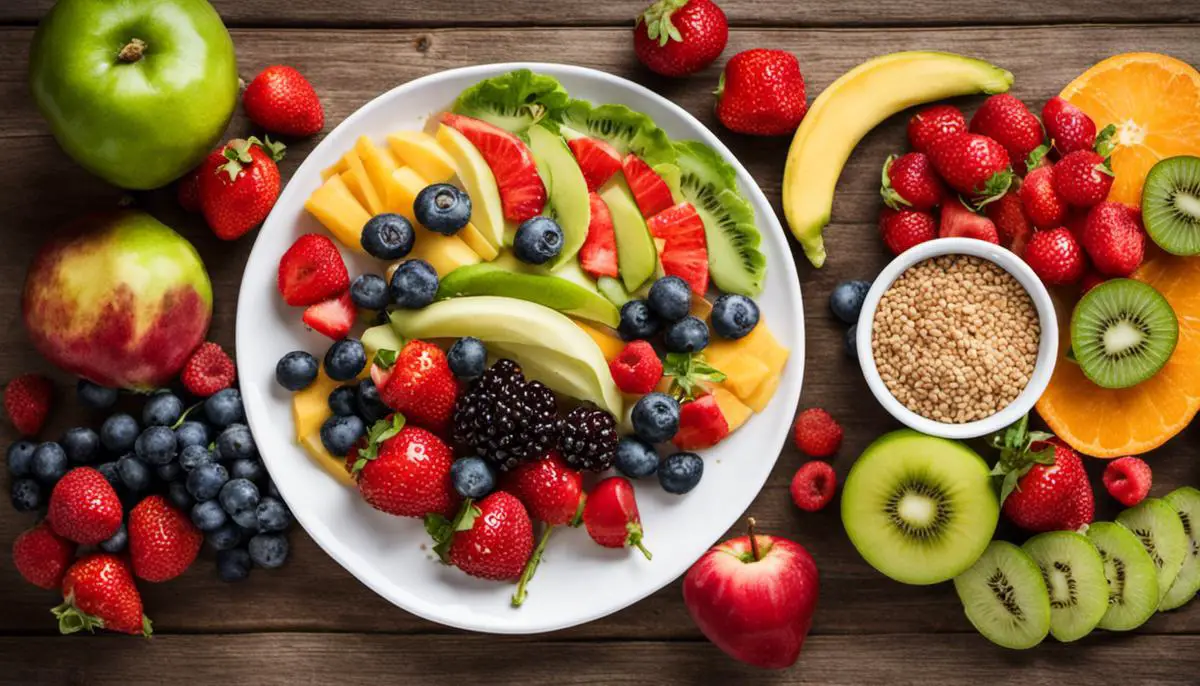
(1036, 156)
(385, 359)
(1104, 141)
(274, 149)
(658, 21)
(379, 433)
(891, 197)
(994, 188)
(442, 530)
(530, 567)
(689, 372)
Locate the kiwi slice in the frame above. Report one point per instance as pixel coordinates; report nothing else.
(1005, 597)
(1074, 574)
(919, 509)
(514, 101)
(625, 129)
(1171, 204)
(1186, 501)
(1132, 577)
(1161, 533)
(1122, 332)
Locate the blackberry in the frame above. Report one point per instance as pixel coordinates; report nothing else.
(589, 439)
(506, 419)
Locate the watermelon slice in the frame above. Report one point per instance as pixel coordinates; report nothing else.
(685, 253)
(651, 193)
(598, 160)
(598, 256)
(333, 317)
(522, 194)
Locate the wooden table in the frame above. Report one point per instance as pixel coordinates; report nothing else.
(311, 622)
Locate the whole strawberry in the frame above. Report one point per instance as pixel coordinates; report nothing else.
(27, 402)
(1012, 225)
(680, 37)
(312, 271)
(1068, 127)
(98, 593)
(1006, 120)
(1082, 178)
(551, 491)
(42, 556)
(956, 221)
(207, 371)
(163, 542)
(973, 165)
(1045, 486)
(611, 515)
(1113, 239)
(404, 470)
(282, 101)
(761, 93)
(902, 229)
(84, 507)
(933, 124)
(909, 181)
(239, 185)
(497, 542)
(1055, 256)
(1040, 201)
(188, 191)
(422, 387)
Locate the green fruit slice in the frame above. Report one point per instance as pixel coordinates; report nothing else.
(1186, 501)
(507, 277)
(636, 255)
(1074, 574)
(1005, 597)
(1160, 531)
(624, 129)
(1171, 204)
(487, 214)
(1132, 577)
(566, 190)
(514, 101)
(613, 290)
(381, 337)
(1122, 333)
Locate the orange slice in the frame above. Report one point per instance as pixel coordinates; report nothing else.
(1110, 423)
(1153, 100)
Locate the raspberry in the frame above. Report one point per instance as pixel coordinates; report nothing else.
(816, 433)
(27, 402)
(208, 370)
(637, 369)
(813, 485)
(1128, 480)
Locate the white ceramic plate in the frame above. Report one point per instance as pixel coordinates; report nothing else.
(578, 581)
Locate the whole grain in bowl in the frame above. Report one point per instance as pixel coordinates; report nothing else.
(955, 338)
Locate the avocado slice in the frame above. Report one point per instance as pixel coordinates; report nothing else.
(566, 189)
(636, 254)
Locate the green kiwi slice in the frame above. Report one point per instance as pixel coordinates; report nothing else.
(1074, 574)
(1171, 204)
(514, 101)
(1005, 597)
(1186, 501)
(1132, 576)
(1161, 533)
(625, 129)
(1122, 332)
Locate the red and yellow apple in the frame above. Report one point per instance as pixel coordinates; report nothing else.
(119, 299)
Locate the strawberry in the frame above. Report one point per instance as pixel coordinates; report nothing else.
(522, 193)
(598, 254)
(1006, 120)
(959, 222)
(495, 540)
(1068, 127)
(551, 491)
(762, 93)
(598, 160)
(611, 515)
(333, 318)
(239, 185)
(680, 37)
(1082, 178)
(1045, 487)
(902, 229)
(637, 369)
(1040, 201)
(312, 270)
(1055, 256)
(163, 542)
(1113, 239)
(973, 165)
(910, 182)
(404, 470)
(188, 191)
(208, 370)
(1011, 224)
(1128, 479)
(422, 386)
(816, 433)
(649, 189)
(933, 124)
(84, 507)
(685, 253)
(27, 402)
(701, 424)
(813, 486)
(282, 101)
(98, 593)
(42, 556)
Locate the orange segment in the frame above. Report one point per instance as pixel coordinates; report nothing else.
(1153, 100)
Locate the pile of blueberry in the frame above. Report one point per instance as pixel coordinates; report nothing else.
(846, 303)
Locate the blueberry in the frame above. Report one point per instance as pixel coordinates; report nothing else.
(369, 292)
(538, 240)
(236, 442)
(233, 564)
(296, 370)
(680, 472)
(272, 515)
(247, 468)
(247, 520)
(178, 494)
(224, 408)
(688, 335)
(224, 537)
(193, 456)
(636, 458)
(345, 359)
(655, 417)
(852, 341)
(155, 445)
(670, 298)
(268, 550)
(638, 321)
(846, 300)
(366, 399)
(134, 473)
(192, 433)
(734, 316)
(339, 434)
(414, 284)
(237, 495)
(168, 472)
(342, 401)
(162, 409)
(117, 542)
(208, 515)
(110, 472)
(442, 208)
(388, 236)
(49, 463)
(81, 444)
(26, 495)
(118, 433)
(20, 458)
(467, 358)
(95, 396)
(205, 482)
(472, 477)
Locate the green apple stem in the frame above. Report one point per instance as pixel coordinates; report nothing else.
(133, 51)
(530, 567)
(753, 540)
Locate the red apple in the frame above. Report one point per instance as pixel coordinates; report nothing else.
(754, 597)
(119, 299)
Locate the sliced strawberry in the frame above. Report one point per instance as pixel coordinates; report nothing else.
(333, 317)
(685, 253)
(701, 424)
(597, 160)
(649, 190)
(598, 256)
(522, 193)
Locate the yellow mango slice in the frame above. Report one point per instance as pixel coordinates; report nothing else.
(758, 402)
(610, 344)
(334, 465)
(736, 413)
(339, 211)
(743, 375)
(422, 152)
(333, 169)
(402, 189)
(310, 409)
(360, 184)
(733, 358)
(378, 163)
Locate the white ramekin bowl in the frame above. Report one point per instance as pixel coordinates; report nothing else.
(1047, 346)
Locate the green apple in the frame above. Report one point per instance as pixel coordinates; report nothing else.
(566, 188)
(636, 255)
(136, 91)
(571, 292)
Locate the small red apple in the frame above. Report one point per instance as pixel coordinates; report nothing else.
(754, 597)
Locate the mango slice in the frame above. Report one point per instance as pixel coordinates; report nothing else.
(339, 211)
(422, 152)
